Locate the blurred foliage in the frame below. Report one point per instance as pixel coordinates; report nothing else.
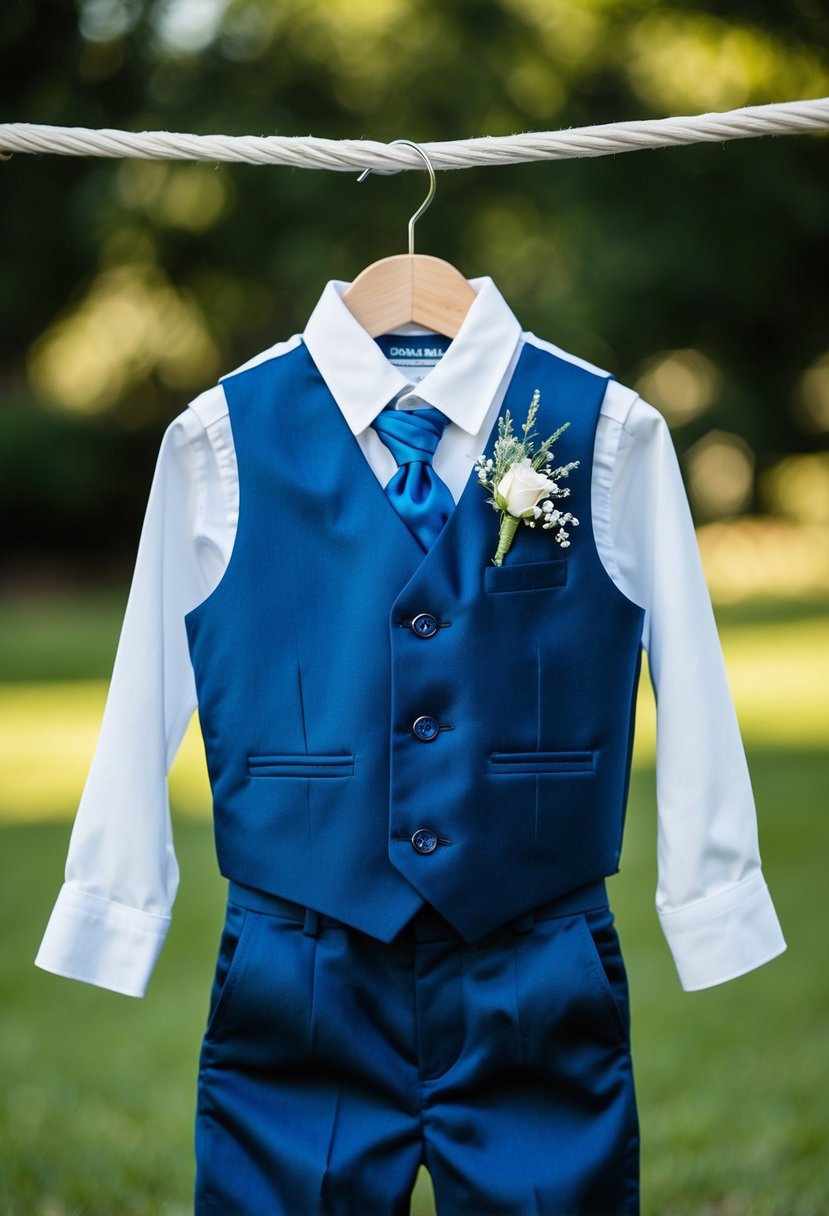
(697, 274)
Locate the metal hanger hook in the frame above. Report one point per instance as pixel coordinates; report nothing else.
(432, 185)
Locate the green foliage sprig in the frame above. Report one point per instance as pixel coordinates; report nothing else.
(523, 484)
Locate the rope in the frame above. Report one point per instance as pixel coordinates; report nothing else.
(309, 152)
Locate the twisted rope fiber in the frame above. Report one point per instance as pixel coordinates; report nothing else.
(310, 152)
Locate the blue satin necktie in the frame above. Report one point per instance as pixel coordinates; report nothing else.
(420, 498)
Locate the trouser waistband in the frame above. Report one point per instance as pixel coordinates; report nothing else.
(427, 924)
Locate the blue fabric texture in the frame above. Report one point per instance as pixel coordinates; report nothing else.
(333, 1066)
(418, 495)
(335, 732)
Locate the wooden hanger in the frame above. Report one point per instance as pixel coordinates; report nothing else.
(410, 287)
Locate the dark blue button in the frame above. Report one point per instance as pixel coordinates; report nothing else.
(424, 840)
(425, 728)
(424, 625)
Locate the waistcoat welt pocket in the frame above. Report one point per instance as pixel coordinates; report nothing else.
(526, 576)
(541, 762)
(304, 765)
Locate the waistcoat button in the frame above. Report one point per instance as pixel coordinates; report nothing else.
(425, 728)
(424, 625)
(424, 840)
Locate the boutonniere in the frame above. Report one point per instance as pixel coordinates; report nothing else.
(524, 485)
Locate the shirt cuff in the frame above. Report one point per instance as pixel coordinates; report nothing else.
(97, 941)
(716, 939)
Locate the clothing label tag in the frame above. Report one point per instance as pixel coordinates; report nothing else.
(415, 354)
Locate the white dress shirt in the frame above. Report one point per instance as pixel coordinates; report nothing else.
(114, 909)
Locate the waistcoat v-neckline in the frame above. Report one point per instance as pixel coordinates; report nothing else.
(467, 497)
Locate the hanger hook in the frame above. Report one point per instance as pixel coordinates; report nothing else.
(432, 185)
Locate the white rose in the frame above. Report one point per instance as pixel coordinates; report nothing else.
(521, 488)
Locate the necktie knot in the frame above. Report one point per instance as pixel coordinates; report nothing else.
(420, 498)
(411, 434)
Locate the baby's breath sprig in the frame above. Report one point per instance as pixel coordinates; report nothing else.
(523, 484)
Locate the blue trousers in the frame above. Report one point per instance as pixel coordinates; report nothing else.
(334, 1065)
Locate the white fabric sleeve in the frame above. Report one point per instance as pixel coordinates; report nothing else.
(712, 901)
(113, 911)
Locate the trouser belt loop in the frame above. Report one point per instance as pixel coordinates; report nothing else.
(311, 927)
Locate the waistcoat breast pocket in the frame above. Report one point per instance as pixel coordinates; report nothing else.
(526, 576)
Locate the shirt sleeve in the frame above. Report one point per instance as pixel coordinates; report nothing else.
(712, 900)
(113, 910)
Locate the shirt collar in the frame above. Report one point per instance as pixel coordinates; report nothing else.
(462, 385)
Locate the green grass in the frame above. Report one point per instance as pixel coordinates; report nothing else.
(97, 1091)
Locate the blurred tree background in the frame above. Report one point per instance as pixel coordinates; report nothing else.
(697, 274)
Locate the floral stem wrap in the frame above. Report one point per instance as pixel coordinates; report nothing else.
(520, 487)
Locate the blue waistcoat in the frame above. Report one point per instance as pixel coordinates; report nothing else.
(317, 653)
